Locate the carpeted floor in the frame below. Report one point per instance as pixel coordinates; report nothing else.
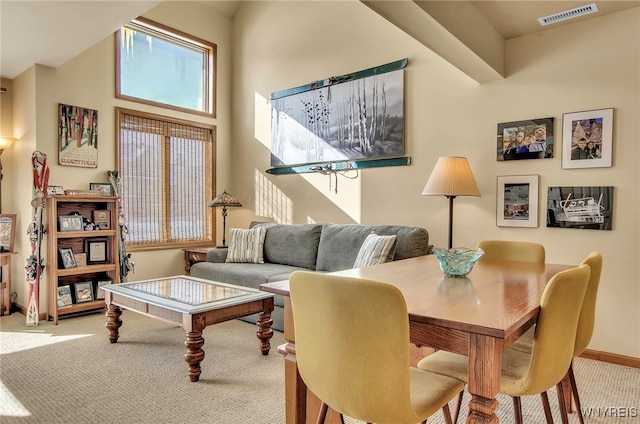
(70, 373)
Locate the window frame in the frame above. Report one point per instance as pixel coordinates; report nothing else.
(210, 220)
(158, 30)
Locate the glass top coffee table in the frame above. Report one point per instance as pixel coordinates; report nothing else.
(192, 303)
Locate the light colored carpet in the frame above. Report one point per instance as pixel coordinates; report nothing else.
(70, 373)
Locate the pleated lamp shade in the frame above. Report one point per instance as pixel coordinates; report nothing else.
(451, 176)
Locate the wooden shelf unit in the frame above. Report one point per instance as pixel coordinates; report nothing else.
(76, 240)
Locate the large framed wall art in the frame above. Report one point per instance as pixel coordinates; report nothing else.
(359, 116)
(589, 208)
(77, 136)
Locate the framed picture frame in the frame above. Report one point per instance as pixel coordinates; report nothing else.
(67, 258)
(100, 293)
(96, 250)
(84, 292)
(77, 136)
(81, 259)
(586, 208)
(55, 190)
(526, 139)
(70, 223)
(587, 139)
(7, 232)
(102, 219)
(517, 201)
(64, 297)
(105, 188)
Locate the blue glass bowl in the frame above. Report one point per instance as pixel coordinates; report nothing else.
(459, 261)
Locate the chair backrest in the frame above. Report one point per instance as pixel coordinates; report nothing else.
(554, 339)
(588, 312)
(352, 345)
(522, 251)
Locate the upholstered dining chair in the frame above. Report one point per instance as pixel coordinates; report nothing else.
(352, 351)
(552, 350)
(585, 325)
(522, 251)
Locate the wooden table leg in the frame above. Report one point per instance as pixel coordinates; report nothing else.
(113, 322)
(194, 354)
(485, 357)
(264, 326)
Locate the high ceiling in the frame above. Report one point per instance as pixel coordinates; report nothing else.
(52, 32)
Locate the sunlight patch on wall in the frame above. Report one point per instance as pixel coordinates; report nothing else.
(262, 120)
(271, 202)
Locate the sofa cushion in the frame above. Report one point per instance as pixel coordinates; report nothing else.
(374, 250)
(246, 246)
(295, 245)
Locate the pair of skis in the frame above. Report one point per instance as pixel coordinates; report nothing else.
(35, 231)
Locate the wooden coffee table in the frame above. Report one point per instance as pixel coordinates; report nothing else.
(192, 303)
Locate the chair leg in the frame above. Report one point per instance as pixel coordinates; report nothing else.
(563, 408)
(576, 398)
(322, 415)
(517, 409)
(547, 408)
(446, 412)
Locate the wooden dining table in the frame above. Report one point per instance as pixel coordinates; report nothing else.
(478, 315)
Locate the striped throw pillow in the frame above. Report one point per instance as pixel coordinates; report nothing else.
(374, 250)
(246, 246)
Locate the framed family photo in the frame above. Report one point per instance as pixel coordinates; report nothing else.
(67, 258)
(526, 139)
(587, 139)
(84, 292)
(105, 188)
(71, 223)
(517, 204)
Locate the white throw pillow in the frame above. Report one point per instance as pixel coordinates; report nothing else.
(374, 250)
(246, 246)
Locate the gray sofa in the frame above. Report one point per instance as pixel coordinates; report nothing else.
(318, 247)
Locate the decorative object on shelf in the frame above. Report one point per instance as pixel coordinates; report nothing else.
(84, 291)
(126, 264)
(7, 232)
(517, 204)
(100, 293)
(64, 297)
(105, 188)
(67, 258)
(77, 136)
(459, 261)
(527, 139)
(589, 208)
(96, 250)
(81, 259)
(71, 223)
(35, 262)
(55, 191)
(451, 177)
(102, 219)
(224, 200)
(83, 193)
(587, 139)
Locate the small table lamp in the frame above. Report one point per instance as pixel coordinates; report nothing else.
(451, 177)
(224, 200)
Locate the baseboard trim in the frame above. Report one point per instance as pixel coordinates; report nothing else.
(612, 358)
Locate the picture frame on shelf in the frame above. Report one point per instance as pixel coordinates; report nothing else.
(70, 223)
(64, 297)
(105, 188)
(102, 219)
(586, 208)
(100, 283)
(96, 250)
(84, 292)
(587, 139)
(526, 139)
(67, 258)
(81, 259)
(53, 190)
(517, 201)
(7, 232)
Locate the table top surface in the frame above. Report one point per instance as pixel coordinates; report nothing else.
(186, 294)
(495, 298)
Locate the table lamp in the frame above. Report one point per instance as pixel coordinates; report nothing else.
(224, 200)
(451, 177)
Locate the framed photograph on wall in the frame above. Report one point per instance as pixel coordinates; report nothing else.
(589, 208)
(77, 136)
(527, 139)
(587, 139)
(7, 232)
(517, 204)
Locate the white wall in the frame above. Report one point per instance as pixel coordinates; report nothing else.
(587, 65)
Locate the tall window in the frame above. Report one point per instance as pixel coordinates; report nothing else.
(164, 67)
(166, 168)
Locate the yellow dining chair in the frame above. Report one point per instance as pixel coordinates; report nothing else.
(535, 372)
(352, 351)
(522, 251)
(585, 324)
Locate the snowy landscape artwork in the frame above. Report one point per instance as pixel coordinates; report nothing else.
(353, 120)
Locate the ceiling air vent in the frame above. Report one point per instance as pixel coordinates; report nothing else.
(568, 14)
